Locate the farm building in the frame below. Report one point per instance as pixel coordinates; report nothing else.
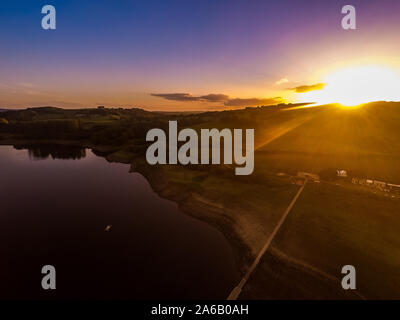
(342, 173)
(394, 188)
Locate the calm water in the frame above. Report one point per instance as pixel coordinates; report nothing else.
(54, 206)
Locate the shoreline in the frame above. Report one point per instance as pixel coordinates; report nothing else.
(209, 194)
(191, 204)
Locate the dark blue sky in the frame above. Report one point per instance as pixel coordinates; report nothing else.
(118, 52)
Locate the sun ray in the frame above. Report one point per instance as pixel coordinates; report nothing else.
(357, 85)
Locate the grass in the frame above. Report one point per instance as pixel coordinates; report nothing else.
(329, 227)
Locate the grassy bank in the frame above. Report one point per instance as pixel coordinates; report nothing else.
(332, 224)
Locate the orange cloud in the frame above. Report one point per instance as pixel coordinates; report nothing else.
(305, 88)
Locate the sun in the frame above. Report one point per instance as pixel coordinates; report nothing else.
(357, 85)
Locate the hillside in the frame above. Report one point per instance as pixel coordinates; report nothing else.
(333, 223)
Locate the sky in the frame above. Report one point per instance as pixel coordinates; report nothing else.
(186, 55)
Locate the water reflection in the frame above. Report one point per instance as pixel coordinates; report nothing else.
(41, 152)
(55, 212)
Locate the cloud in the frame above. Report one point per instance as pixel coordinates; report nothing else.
(281, 81)
(212, 97)
(251, 102)
(176, 96)
(221, 98)
(302, 89)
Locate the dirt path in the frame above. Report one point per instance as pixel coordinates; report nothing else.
(238, 289)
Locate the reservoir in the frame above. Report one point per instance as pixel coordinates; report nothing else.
(106, 232)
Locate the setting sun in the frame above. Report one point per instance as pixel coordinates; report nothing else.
(357, 85)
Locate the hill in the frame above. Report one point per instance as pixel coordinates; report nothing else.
(333, 223)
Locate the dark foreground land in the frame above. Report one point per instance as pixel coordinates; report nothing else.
(334, 222)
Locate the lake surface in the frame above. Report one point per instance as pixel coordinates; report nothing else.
(55, 204)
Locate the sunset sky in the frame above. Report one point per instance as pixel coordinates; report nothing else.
(190, 55)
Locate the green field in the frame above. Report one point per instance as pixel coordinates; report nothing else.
(334, 223)
(329, 227)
